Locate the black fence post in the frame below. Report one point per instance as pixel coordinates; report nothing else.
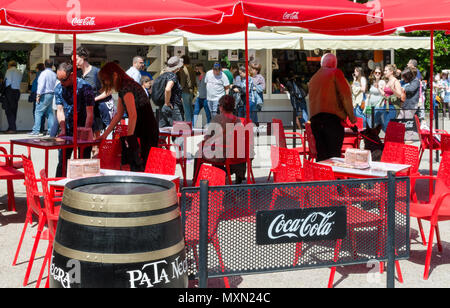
(390, 245)
(294, 123)
(203, 235)
(373, 116)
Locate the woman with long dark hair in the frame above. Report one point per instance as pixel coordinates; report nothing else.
(141, 120)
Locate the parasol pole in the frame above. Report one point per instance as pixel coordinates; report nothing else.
(431, 99)
(247, 92)
(75, 109)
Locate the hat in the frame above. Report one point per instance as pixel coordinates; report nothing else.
(217, 66)
(174, 63)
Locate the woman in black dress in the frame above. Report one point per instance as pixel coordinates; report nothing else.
(141, 120)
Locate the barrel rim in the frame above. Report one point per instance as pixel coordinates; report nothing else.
(106, 258)
(119, 179)
(119, 203)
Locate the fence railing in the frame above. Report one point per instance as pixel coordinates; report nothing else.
(250, 229)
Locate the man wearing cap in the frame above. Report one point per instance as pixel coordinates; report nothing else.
(13, 78)
(217, 85)
(173, 102)
(330, 102)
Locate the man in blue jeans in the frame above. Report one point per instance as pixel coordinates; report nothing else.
(44, 99)
(201, 101)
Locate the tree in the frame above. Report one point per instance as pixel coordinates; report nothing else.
(441, 53)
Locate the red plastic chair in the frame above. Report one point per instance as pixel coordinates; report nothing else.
(277, 126)
(52, 214)
(9, 173)
(353, 140)
(311, 142)
(161, 161)
(215, 177)
(356, 217)
(426, 142)
(445, 142)
(16, 164)
(236, 157)
(438, 208)
(120, 130)
(34, 208)
(400, 153)
(286, 165)
(395, 132)
(110, 154)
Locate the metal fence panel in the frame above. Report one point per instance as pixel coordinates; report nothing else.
(232, 240)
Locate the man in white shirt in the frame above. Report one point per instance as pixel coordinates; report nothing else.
(13, 78)
(134, 71)
(44, 100)
(217, 85)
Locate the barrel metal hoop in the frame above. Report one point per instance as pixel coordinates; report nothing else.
(119, 222)
(118, 258)
(119, 203)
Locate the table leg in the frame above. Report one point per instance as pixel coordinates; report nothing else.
(46, 162)
(64, 163)
(11, 199)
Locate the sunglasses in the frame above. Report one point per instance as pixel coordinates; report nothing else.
(377, 72)
(65, 79)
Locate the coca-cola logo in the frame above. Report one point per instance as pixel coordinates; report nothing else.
(300, 225)
(291, 16)
(88, 21)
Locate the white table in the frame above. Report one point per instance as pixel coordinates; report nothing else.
(377, 169)
(106, 172)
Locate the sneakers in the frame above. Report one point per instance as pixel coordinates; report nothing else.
(34, 134)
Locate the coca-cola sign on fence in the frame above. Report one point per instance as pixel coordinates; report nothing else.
(300, 225)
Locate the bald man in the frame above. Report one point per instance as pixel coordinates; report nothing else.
(330, 102)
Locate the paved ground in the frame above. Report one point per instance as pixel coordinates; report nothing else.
(346, 277)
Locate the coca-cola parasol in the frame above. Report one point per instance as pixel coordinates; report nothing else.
(87, 16)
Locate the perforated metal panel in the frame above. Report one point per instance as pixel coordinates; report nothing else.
(232, 248)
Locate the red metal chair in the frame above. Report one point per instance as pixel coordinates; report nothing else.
(52, 214)
(395, 132)
(215, 177)
(34, 208)
(282, 136)
(437, 209)
(10, 173)
(356, 217)
(161, 161)
(426, 142)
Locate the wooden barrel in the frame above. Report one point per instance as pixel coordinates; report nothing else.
(119, 232)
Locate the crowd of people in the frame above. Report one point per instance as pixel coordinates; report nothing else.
(182, 91)
(395, 93)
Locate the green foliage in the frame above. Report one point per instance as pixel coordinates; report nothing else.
(441, 53)
(20, 56)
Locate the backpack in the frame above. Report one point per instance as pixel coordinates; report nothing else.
(159, 90)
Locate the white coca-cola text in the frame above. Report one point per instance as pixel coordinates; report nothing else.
(291, 16)
(315, 224)
(88, 21)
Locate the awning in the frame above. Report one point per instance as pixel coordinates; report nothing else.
(256, 40)
(318, 41)
(14, 35)
(115, 37)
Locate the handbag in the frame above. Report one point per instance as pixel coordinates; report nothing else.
(32, 97)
